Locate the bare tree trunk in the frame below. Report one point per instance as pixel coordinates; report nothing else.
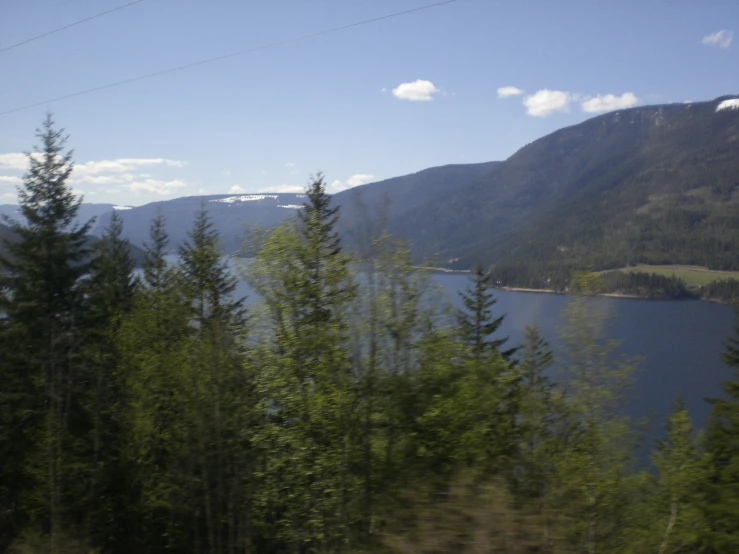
(670, 525)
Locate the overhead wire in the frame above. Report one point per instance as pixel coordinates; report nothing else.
(225, 56)
(16, 45)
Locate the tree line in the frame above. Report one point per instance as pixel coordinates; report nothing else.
(342, 412)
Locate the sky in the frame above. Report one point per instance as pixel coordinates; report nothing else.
(463, 82)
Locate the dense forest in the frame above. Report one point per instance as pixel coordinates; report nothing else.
(345, 411)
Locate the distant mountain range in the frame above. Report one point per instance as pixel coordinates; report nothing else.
(232, 215)
(654, 184)
(85, 213)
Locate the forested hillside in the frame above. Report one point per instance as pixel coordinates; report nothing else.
(343, 412)
(647, 185)
(233, 215)
(655, 184)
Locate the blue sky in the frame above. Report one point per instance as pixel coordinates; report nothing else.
(469, 81)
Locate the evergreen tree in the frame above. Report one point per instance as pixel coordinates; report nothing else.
(43, 302)
(207, 279)
(722, 495)
(476, 322)
(110, 290)
(215, 388)
(152, 342)
(679, 524)
(541, 409)
(490, 383)
(303, 275)
(157, 273)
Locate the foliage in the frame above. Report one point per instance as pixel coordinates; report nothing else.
(722, 489)
(43, 332)
(347, 410)
(645, 285)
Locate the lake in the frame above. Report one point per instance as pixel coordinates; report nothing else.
(681, 342)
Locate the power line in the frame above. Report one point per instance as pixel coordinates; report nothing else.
(225, 56)
(68, 26)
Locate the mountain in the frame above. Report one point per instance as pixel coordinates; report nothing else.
(7, 233)
(655, 184)
(231, 215)
(85, 213)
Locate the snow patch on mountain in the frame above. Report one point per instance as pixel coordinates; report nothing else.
(732, 104)
(245, 198)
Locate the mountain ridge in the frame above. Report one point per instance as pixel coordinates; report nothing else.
(649, 184)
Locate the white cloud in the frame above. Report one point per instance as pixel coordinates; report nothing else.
(17, 160)
(359, 179)
(100, 179)
(609, 102)
(542, 103)
(507, 92)
(289, 164)
(122, 165)
(10, 179)
(112, 191)
(721, 38)
(236, 189)
(353, 181)
(14, 160)
(295, 172)
(383, 89)
(158, 187)
(225, 172)
(13, 197)
(417, 91)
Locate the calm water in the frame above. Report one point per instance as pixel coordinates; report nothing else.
(681, 343)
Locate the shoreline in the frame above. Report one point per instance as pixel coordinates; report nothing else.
(615, 295)
(440, 269)
(609, 294)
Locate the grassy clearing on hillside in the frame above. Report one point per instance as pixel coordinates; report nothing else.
(691, 275)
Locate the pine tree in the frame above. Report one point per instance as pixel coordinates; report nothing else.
(679, 524)
(110, 290)
(43, 302)
(540, 409)
(215, 387)
(476, 322)
(722, 491)
(154, 345)
(208, 281)
(491, 380)
(157, 273)
(303, 276)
